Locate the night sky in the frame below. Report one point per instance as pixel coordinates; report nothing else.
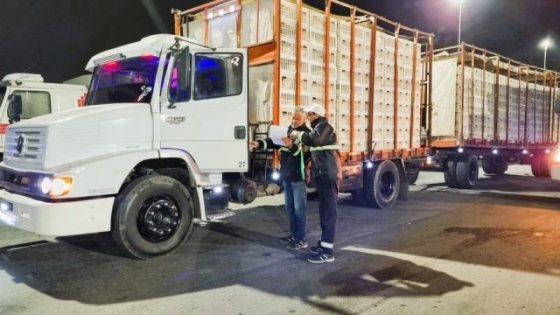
(57, 37)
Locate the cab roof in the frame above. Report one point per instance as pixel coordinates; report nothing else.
(151, 45)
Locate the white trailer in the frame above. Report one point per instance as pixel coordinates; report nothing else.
(491, 110)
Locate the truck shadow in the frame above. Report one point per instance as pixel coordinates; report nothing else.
(88, 269)
(511, 187)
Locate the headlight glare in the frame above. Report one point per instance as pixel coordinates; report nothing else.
(56, 186)
(46, 185)
(61, 186)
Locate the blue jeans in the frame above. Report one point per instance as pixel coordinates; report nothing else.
(295, 197)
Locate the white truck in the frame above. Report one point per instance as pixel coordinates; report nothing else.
(144, 157)
(35, 97)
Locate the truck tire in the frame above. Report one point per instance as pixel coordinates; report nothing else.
(487, 167)
(545, 165)
(466, 171)
(358, 197)
(449, 171)
(381, 185)
(540, 165)
(153, 216)
(536, 166)
(494, 165)
(412, 172)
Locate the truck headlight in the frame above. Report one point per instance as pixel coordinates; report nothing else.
(56, 186)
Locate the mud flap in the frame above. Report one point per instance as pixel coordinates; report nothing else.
(404, 184)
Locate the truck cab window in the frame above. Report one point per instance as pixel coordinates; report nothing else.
(178, 93)
(217, 75)
(34, 103)
(125, 81)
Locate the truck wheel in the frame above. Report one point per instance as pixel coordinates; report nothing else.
(449, 171)
(536, 165)
(467, 171)
(545, 165)
(381, 185)
(358, 197)
(153, 216)
(494, 165)
(500, 169)
(412, 172)
(540, 165)
(487, 166)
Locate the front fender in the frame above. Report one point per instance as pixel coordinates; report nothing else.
(200, 178)
(102, 175)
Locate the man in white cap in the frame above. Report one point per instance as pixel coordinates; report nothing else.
(326, 173)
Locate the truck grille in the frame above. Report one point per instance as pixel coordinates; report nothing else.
(25, 145)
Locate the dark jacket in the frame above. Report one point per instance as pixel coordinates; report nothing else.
(290, 158)
(323, 146)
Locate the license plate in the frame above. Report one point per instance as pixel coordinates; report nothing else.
(6, 206)
(6, 213)
(8, 217)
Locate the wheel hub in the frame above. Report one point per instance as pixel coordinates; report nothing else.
(158, 218)
(387, 185)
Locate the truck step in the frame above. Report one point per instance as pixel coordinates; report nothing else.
(217, 215)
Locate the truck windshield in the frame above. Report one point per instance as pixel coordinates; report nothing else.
(125, 81)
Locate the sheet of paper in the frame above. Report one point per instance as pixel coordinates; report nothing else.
(276, 133)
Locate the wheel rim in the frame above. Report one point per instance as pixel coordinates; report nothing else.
(159, 218)
(387, 185)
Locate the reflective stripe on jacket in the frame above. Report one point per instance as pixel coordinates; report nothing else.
(325, 154)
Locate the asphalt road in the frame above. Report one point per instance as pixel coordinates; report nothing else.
(493, 250)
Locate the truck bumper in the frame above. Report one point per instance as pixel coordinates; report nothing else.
(56, 219)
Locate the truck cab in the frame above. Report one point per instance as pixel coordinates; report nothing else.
(36, 98)
(161, 143)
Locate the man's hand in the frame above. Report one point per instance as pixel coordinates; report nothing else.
(294, 134)
(287, 142)
(253, 145)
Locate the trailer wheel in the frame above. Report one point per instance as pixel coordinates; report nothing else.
(536, 166)
(381, 185)
(494, 165)
(358, 197)
(449, 171)
(153, 216)
(540, 165)
(412, 172)
(545, 165)
(466, 171)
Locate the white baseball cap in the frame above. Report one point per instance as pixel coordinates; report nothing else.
(317, 109)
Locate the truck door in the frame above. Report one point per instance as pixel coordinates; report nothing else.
(208, 117)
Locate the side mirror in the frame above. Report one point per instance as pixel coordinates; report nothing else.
(15, 108)
(183, 69)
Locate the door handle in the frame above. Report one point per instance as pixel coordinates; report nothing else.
(239, 132)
